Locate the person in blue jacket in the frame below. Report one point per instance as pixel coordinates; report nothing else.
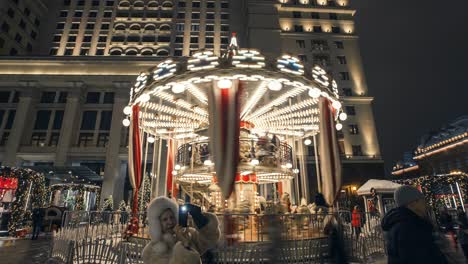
(408, 232)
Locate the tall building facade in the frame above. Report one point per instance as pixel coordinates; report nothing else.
(61, 101)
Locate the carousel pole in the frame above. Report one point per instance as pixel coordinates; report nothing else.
(145, 158)
(154, 174)
(158, 175)
(317, 165)
(460, 195)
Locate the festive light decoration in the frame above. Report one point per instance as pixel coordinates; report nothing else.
(202, 61)
(224, 83)
(307, 142)
(178, 88)
(336, 105)
(247, 58)
(255, 162)
(343, 116)
(127, 110)
(338, 126)
(151, 139)
(449, 142)
(126, 122)
(31, 188)
(164, 70)
(290, 64)
(275, 85)
(320, 76)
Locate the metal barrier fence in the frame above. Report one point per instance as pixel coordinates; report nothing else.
(90, 237)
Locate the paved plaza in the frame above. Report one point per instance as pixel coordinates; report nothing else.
(19, 251)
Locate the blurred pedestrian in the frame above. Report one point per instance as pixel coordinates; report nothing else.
(356, 222)
(37, 219)
(408, 232)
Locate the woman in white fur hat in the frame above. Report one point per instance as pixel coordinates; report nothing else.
(172, 244)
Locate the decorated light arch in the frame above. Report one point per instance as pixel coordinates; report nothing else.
(236, 120)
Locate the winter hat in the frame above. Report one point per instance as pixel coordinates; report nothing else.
(155, 209)
(406, 194)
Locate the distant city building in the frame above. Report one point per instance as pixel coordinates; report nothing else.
(441, 152)
(61, 101)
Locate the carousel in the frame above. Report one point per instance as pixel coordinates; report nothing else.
(236, 128)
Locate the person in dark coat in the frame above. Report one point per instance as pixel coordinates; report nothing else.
(37, 219)
(408, 232)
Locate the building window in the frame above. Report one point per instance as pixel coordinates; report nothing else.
(90, 26)
(341, 59)
(300, 43)
(107, 13)
(66, 2)
(109, 98)
(210, 16)
(58, 119)
(350, 110)
(54, 139)
(195, 27)
(63, 13)
(71, 38)
(5, 27)
(315, 15)
(78, 14)
(47, 97)
(84, 52)
(93, 14)
(22, 24)
(194, 40)
(62, 97)
(336, 29)
(10, 119)
(209, 27)
(210, 5)
(357, 150)
(303, 58)
(209, 40)
(195, 15)
(339, 45)
(180, 27)
(224, 5)
(297, 14)
(13, 52)
(298, 28)
(53, 51)
(177, 52)
(87, 38)
(344, 76)
(224, 27)
(85, 139)
(224, 16)
(60, 25)
(106, 119)
(109, 3)
(333, 16)
(182, 4)
(38, 139)
(317, 29)
(347, 92)
(4, 98)
(353, 129)
(93, 97)
(68, 52)
(103, 139)
(196, 4)
(75, 26)
(180, 15)
(42, 119)
(11, 13)
(89, 120)
(100, 52)
(105, 26)
(95, 3)
(18, 38)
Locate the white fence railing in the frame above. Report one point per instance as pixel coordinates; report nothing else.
(98, 237)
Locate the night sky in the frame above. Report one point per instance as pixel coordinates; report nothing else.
(415, 56)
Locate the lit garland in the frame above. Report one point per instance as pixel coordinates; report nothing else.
(428, 185)
(145, 193)
(81, 189)
(29, 183)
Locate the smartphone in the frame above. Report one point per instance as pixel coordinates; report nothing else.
(183, 215)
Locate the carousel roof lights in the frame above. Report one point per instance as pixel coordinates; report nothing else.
(202, 61)
(178, 88)
(164, 69)
(197, 93)
(126, 122)
(336, 105)
(290, 64)
(144, 98)
(254, 99)
(295, 171)
(338, 126)
(288, 165)
(224, 84)
(275, 85)
(177, 167)
(127, 110)
(343, 116)
(315, 92)
(255, 162)
(247, 58)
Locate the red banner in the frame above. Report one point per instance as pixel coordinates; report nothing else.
(8, 183)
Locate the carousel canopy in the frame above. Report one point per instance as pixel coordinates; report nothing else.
(279, 95)
(380, 186)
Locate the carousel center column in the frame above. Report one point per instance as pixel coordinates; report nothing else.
(23, 110)
(114, 181)
(69, 122)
